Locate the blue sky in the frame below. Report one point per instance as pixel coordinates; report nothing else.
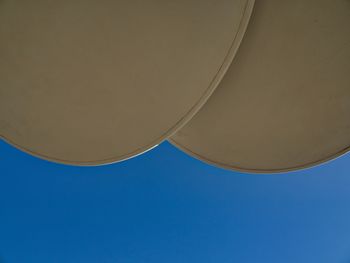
(165, 206)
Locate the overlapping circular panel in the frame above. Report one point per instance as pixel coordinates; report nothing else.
(284, 103)
(91, 82)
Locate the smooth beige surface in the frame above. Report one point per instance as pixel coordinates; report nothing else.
(91, 82)
(284, 103)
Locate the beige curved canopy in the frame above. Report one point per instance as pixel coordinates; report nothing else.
(91, 82)
(285, 102)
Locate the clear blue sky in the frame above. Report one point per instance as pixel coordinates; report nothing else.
(165, 207)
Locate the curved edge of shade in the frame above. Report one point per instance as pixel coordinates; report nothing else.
(296, 168)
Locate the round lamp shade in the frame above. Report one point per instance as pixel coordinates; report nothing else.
(94, 82)
(284, 103)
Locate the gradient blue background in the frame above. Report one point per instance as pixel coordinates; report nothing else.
(166, 207)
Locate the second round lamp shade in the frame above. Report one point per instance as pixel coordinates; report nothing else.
(284, 103)
(93, 82)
